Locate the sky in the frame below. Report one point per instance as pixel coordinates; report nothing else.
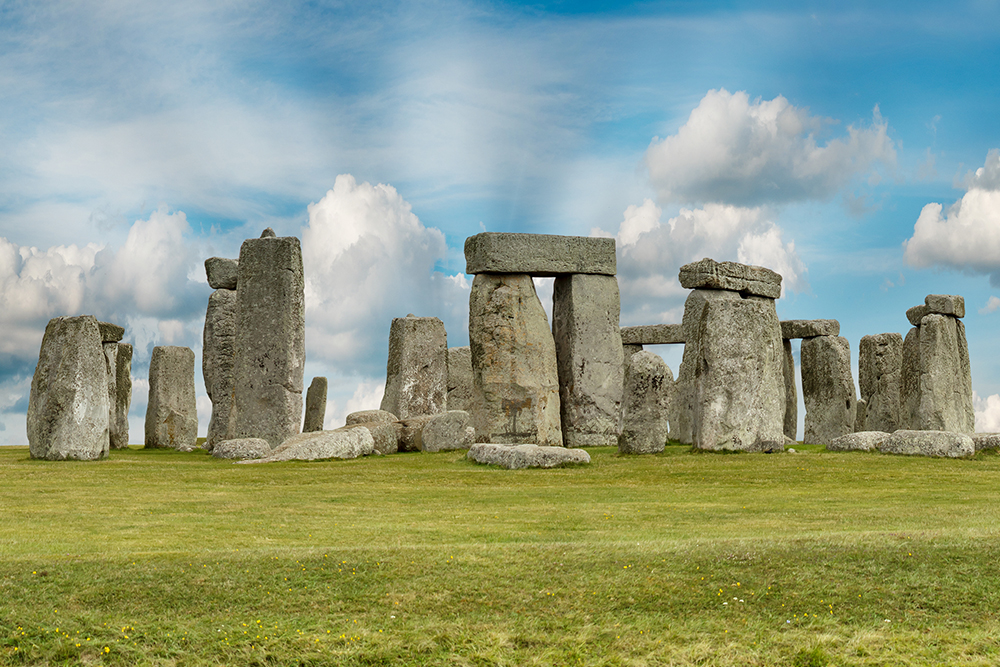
(855, 150)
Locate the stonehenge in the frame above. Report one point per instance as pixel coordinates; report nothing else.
(827, 388)
(880, 359)
(416, 378)
(315, 405)
(646, 398)
(171, 413)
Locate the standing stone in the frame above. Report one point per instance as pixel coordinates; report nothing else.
(909, 381)
(739, 384)
(416, 374)
(460, 378)
(68, 405)
(270, 347)
(118, 425)
(217, 361)
(827, 389)
(860, 415)
(515, 377)
(315, 405)
(880, 363)
(111, 374)
(791, 393)
(223, 273)
(172, 413)
(945, 377)
(645, 404)
(589, 358)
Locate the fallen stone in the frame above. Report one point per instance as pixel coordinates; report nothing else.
(366, 416)
(242, 448)
(446, 431)
(791, 421)
(589, 358)
(986, 441)
(827, 389)
(460, 378)
(653, 334)
(315, 405)
(862, 441)
(929, 443)
(538, 254)
(880, 363)
(222, 272)
(342, 443)
(68, 404)
(645, 405)
(218, 360)
(410, 432)
(747, 280)
(118, 420)
(416, 376)
(915, 314)
(945, 304)
(386, 435)
(171, 413)
(110, 333)
(809, 328)
(515, 377)
(516, 457)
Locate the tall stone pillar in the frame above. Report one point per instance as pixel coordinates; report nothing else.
(315, 405)
(645, 399)
(172, 412)
(218, 359)
(880, 360)
(118, 424)
(416, 376)
(827, 389)
(791, 394)
(460, 378)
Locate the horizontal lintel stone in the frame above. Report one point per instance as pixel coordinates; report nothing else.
(809, 328)
(110, 333)
(653, 334)
(709, 274)
(946, 304)
(539, 254)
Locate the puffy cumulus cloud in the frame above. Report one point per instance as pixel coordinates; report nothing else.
(369, 259)
(744, 152)
(966, 235)
(367, 395)
(987, 413)
(991, 306)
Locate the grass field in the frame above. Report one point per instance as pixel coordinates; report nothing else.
(807, 559)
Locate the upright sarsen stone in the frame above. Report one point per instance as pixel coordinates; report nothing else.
(315, 405)
(416, 376)
(645, 402)
(270, 340)
(945, 376)
(68, 405)
(791, 394)
(218, 358)
(589, 358)
(880, 363)
(118, 424)
(172, 413)
(827, 389)
(460, 378)
(909, 381)
(515, 378)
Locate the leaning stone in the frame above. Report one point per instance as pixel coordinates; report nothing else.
(748, 280)
(449, 430)
(945, 384)
(515, 377)
(460, 378)
(589, 358)
(118, 421)
(929, 443)
(171, 413)
(945, 304)
(809, 328)
(827, 389)
(385, 434)
(915, 314)
(342, 443)
(416, 376)
(516, 457)
(653, 334)
(315, 405)
(222, 272)
(365, 416)
(68, 404)
(242, 448)
(862, 441)
(270, 340)
(539, 254)
(410, 433)
(645, 405)
(218, 358)
(986, 440)
(110, 333)
(791, 422)
(880, 363)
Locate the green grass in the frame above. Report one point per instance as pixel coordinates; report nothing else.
(807, 559)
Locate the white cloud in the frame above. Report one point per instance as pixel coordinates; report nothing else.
(987, 413)
(367, 396)
(741, 152)
(991, 305)
(986, 177)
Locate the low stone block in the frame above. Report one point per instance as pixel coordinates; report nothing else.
(342, 443)
(986, 441)
(171, 413)
(742, 278)
(516, 457)
(222, 272)
(449, 430)
(365, 416)
(110, 333)
(315, 405)
(809, 328)
(862, 441)
(241, 448)
(386, 435)
(410, 431)
(416, 376)
(929, 443)
(915, 314)
(539, 254)
(653, 334)
(946, 304)
(645, 405)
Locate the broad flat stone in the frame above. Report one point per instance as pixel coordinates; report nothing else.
(827, 389)
(342, 443)
(809, 328)
(653, 334)
(515, 377)
(416, 376)
(516, 457)
(315, 405)
(791, 422)
(365, 416)
(447, 431)
(242, 448)
(539, 254)
(385, 435)
(171, 413)
(748, 280)
(68, 405)
(270, 340)
(945, 304)
(986, 441)
(915, 314)
(862, 441)
(880, 364)
(645, 404)
(460, 378)
(929, 443)
(589, 358)
(118, 420)
(110, 333)
(218, 360)
(222, 272)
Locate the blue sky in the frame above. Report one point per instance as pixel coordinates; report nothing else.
(138, 139)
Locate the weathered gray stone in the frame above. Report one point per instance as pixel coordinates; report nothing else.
(827, 389)
(270, 340)
(222, 272)
(747, 280)
(860, 415)
(385, 435)
(171, 413)
(515, 378)
(791, 423)
(242, 448)
(68, 405)
(809, 328)
(342, 443)
(366, 416)
(268, 233)
(218, 358)
(118, 420)
(915, 314)
(862, 441)
(653, 334)
(739, 380)
(945, 378)
(460, 378)
(986, 440)
(929, 443)
(315, 405)
(880, 363)
(628, 351)
(446, 431)
(111, 374)
(538, 254)
(516, 457)
(416, 376)
(410, 431)
(589, 358)
(909, 381)
(645, 404)
(110, 333)
(945, 304)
